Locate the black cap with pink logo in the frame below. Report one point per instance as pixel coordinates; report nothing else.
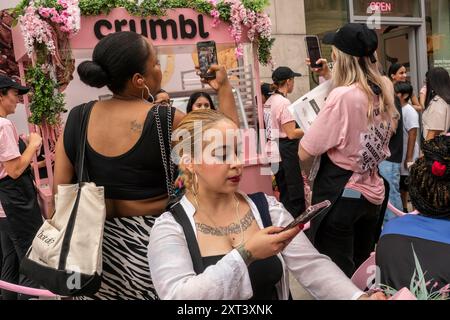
(7, 83)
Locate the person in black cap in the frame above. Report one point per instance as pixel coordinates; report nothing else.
(17, 193)
(351, 134)
(281, 127)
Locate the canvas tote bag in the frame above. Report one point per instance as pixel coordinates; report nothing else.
(66, 253)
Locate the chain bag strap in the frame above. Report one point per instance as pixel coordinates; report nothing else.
(166, 156)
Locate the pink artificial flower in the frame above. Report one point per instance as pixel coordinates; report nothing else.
(56, 18)
(44, 12)
(63, 3)
(53, 11)
(239, 51)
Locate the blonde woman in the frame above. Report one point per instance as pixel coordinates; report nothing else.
(351, 134)
(241, 259)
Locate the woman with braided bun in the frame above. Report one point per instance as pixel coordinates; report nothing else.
(429, 232)
(124, 154)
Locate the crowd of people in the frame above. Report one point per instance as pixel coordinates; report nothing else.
(375, 140)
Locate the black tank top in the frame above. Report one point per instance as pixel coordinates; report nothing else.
(136, 175)
(264, 276)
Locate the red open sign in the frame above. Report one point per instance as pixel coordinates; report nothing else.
(381, 6)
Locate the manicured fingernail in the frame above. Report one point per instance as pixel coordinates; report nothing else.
(301, 226)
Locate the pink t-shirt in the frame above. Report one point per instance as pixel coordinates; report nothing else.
(9, 144)
(276, 114)
(342, 130)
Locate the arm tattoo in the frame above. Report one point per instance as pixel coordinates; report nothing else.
(246, 255)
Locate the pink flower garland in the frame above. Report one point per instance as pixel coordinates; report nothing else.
(36, 28)
(258, 24)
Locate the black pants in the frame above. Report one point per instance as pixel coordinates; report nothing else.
(349, 232)
(9, 261)
(289, 178)
(19, 201)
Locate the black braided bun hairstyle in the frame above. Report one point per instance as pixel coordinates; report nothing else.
(430, 179)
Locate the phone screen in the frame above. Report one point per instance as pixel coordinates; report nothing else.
(309, 214)
(207, 56)
(314, 53)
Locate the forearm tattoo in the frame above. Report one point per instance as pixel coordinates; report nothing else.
(246, 255)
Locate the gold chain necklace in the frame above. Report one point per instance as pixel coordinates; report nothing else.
(239, 221)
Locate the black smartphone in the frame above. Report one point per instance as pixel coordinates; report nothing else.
(207, 56)
(314, 52)
(308, 215)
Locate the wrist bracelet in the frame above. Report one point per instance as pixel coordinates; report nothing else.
(245, 254)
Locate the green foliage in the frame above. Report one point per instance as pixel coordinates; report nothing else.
(418, 286)
(19, 10)
(158, 8)
(96, 7)
(256, 5)
(264, 49)
(47, 103)
(225, 11)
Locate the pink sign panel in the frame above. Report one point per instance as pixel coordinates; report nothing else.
(180, 27)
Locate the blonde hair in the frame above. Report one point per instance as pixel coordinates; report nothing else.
(187, 136)
(349, 70)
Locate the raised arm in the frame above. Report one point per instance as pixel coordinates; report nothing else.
(224, 91)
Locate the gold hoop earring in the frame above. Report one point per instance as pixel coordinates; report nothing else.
(195, 184)
(195, 189)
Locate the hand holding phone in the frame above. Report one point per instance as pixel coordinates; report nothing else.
(314, 52)
(308, 215)
(207, 56)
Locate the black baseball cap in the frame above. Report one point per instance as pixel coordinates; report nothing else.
(7, 82)
(354, 39)
(284, 73)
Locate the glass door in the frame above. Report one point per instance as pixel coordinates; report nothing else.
(398, 45)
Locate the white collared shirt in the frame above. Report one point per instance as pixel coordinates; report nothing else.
(175, 279)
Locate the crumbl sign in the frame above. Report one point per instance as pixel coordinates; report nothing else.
(179, 29)
(381, 6)
(182, 27)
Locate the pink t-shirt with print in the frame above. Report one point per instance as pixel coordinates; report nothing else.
(9, 144)
(276, 114)
(342, 130)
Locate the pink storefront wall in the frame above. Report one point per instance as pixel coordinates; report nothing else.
(255, 176)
